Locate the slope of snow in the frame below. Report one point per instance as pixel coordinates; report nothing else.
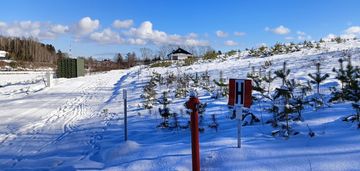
(77, 124)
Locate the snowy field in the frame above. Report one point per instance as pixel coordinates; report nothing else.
(77, 124)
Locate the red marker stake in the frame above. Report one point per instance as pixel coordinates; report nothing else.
(195, 149)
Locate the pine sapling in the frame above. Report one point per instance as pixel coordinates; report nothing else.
(164, 111)
(318, 77)
(283, 73)
(214, 123)
(223, 90)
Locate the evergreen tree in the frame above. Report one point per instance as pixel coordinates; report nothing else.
(283, 73)
(223, 87)
(196, 80)
(170, 79)
(214, 124)
(205, 83)
(149, 94)
(268, 78)
(285, 95)
(164, 111)
(318, 78)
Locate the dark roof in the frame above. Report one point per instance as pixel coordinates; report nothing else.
(179, 50)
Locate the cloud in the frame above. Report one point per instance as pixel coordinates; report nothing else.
(137, 41)
(58, 28)
(27, 25)
(35, 29)
(88, 29)
(239, 33)
(220, 33)
(301, 33)
(289, 38)
(145, 31)
(306, 37)
(3, 24)
(353, 30)
(122, 24)
(303, 36)
(194, 42)
(86, 25)
(281, 30)
(192, 35)
(146, 34)
(230, 43)
(107, 36)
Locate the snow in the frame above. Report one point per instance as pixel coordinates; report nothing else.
(77, 124)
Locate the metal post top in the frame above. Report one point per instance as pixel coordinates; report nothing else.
(124, 94)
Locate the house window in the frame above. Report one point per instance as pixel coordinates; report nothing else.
(175, 57)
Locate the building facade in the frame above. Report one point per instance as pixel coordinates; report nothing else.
(179, 54)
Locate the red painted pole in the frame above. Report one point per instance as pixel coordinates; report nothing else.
(195, 149)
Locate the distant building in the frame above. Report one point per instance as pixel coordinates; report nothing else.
(179, 54)
(2, 55)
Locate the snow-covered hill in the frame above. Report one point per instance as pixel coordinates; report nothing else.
(77, 124)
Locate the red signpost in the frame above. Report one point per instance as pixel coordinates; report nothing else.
(193, 104)
(240, 91)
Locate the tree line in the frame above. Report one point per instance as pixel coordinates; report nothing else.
(28, 49)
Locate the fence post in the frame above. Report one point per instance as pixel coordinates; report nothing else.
(48, 76)
(125, 114)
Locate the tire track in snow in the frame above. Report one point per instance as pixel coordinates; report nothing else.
(97, 136)
(67, 114)
(64, 121)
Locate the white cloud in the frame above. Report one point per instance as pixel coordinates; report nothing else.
(107, 36)
(122, 24)
(281, 30)
(86, 25)
(301, 33)
(303, 36)
(289, 38)
(220, 33)
(58, 28)
(86, 29)
(137, 41)
(35, 29)
(3, 24)
(353, 30)
(194, 42)
(146, 34)
(192, 35)
(230, 43)
(145, 31)
(29, 25)
(239, 33)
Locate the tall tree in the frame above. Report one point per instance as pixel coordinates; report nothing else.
(119, 59)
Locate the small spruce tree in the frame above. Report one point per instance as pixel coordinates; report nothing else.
(318, 78)
(283, 73)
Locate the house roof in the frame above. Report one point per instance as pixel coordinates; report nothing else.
(180, 50)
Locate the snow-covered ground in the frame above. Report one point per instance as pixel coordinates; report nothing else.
(77, 124)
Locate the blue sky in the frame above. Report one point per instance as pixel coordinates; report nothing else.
(88, 27)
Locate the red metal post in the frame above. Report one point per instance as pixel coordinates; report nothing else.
(195, 148)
